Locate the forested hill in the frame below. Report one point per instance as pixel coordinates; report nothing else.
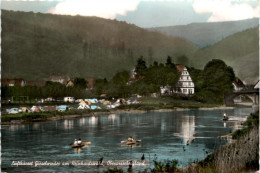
(241, 51)
(207, 34)
(35, 45)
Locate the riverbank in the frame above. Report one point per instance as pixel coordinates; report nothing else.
(242, 155)
(9, 119)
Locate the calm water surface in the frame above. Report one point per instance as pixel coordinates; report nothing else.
(186, 135)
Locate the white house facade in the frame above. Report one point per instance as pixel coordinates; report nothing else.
(185, 85)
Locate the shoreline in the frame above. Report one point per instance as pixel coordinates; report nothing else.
(116, 111)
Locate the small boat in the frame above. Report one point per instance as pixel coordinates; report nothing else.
(131, 142)
(80, 145)
(225, 118)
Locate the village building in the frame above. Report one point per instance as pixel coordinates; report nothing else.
(60, 79)
(13, 82)
(238, 84)
(185, 85)
(70, 83)
(166, 90)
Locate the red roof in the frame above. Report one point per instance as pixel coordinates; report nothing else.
(180, 67)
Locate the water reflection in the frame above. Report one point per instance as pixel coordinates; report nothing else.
(16, 127)
(234, 122)
(186, 129)
(113, 118)
(68, 124)
(93, 120)
(36, 126)
(82, 121)
(156, 130)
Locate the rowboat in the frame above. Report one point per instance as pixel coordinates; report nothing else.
(225, 118)
(80, 145)
(131, 142)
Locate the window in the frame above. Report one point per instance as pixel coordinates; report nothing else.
(184, 90)
(190, 91)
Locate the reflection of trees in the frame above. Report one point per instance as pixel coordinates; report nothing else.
(186, 130)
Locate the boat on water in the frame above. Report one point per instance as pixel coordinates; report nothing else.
(83, 144)
(131, 141)
(225, 117)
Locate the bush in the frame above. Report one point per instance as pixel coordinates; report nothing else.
(165, 166)
(113, 170)
(252, 120)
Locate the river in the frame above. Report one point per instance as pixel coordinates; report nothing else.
(186, 135)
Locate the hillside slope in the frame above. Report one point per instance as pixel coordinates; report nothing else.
(35, 45)
(206, 34)
(241, 51)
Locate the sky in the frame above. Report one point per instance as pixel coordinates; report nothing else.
(144, 13)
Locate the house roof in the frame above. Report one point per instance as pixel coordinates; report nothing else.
(238, 82)
(15, 82)
(180, 67)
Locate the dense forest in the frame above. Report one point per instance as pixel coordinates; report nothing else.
(36, 45)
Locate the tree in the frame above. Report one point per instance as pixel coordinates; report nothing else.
(183, 60)
(141, 66)
(169, 62)
(155, 64)
(121, 78)
(80, 83)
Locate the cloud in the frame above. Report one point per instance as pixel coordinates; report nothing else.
(225, 10)
(101, 8)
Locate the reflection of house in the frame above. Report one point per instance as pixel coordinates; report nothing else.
(238, 84)
(60, 79)
(187, 129)
(13, 82)
(185, 85)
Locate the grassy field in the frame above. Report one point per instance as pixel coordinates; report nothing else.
(42, 116)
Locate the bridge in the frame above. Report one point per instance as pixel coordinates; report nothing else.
(251, 94)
